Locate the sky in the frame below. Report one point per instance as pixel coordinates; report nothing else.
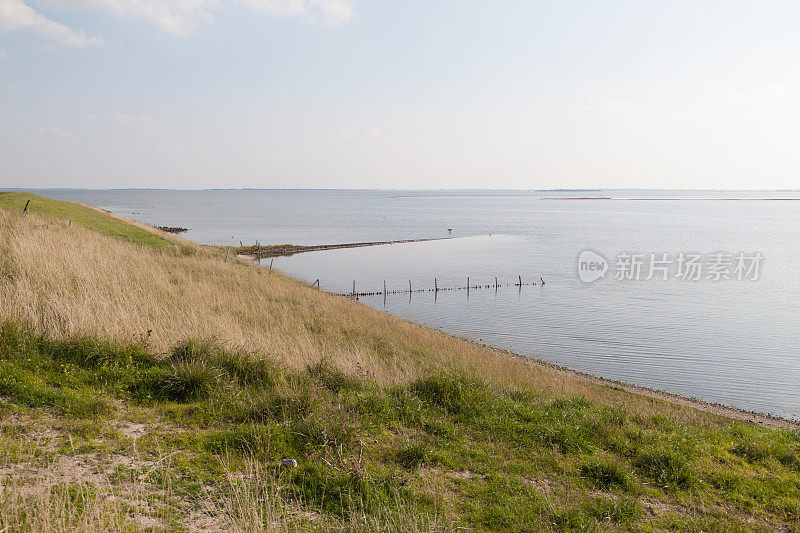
(400, 94)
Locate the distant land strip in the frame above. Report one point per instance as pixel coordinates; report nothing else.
(259, 252)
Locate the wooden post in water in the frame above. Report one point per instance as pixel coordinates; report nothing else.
(520, 280)
(226, 254)
(25, 209)
(409, 287)
(354, 288)
(541, 280)
(384, 287)
(467, 285)
(435, 285)
(316, 283)
(270, 265)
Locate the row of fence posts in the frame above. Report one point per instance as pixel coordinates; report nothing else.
(436, 288)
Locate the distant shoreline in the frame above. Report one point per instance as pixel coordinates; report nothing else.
(665, 199)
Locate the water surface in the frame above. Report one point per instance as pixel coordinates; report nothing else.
(732, 342)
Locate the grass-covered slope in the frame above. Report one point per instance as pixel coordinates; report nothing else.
(104, 426)
(89, 217)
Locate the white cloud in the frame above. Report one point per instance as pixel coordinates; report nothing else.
(178, 17)
(59, 133)
(135, 120)
(330, 11)
(91, 117)
(16, 15)
(768, 93)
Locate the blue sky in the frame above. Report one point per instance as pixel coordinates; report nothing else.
(378, 94)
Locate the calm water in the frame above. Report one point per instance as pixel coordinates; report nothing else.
(733, 342)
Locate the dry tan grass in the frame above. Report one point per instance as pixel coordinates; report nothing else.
(71, 281)
(43, 491)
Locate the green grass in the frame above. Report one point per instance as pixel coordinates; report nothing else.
(85, 216)
(499, 461)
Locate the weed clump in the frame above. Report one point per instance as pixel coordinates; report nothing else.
(606, 474)
(664, 466)
(412, 456)
(467, 398)
(188, 381)
(332, 379)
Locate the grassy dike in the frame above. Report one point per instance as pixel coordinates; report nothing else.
(148, 384)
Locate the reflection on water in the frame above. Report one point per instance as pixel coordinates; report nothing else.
(722, 342)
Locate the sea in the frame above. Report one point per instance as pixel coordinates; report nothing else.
(695, 293)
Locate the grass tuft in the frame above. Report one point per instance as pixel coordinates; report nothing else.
(666, 467)
(187, 381)
(606, 474)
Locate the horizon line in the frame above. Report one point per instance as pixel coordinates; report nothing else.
(364, 189)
